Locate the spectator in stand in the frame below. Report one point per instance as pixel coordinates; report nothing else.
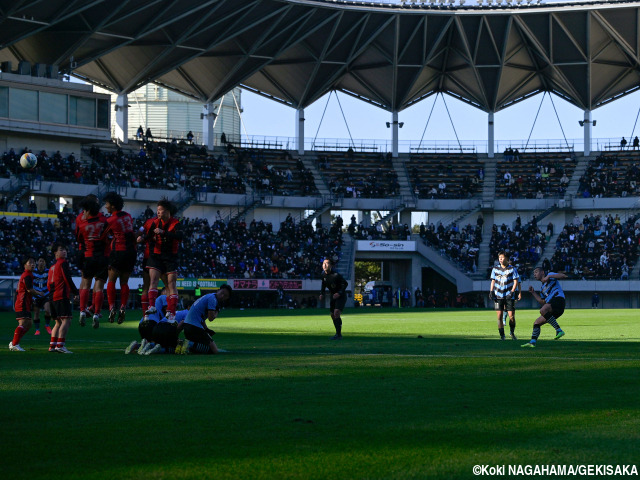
(139, 133)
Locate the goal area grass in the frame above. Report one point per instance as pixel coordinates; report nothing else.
(406, 394)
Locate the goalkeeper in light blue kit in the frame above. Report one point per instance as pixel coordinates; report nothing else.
(196, 333)
(552, 300)
(503, 292)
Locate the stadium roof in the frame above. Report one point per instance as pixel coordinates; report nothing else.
(295, 51)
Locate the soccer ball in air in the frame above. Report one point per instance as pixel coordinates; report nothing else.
(28, 161)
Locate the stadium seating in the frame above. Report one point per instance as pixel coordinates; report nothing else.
(462, 175)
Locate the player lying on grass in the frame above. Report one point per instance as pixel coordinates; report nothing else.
(552, 300)
(158, 333)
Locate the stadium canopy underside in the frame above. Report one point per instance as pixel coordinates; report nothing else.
(296, 51)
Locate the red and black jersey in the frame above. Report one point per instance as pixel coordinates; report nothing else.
(120, 225)
(168, 242)
(91, 235)
(24, 299)
(79, 222)
(60, 281)
(145, 230)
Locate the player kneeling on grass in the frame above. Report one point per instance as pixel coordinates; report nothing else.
(198, 336)
(165, 334)
(146, 326)
(552, 300)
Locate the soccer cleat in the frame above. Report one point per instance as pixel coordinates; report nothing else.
(171, 317)
(336, 337)
(96, 321)
(150, 311)
(52, 349)
(112, 315)
(48, 329)
(183, 348)
(15, 348)
(83, 317)
(121, 316)
(63, 350)
(156, 349)
(142, 346)
(37, 332)
(132, 347)
(559, 334)
(178, 349)
(513, 336)
(529, 345)
(501, 337)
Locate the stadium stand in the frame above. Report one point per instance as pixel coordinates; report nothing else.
(460, 174)
(611, 174)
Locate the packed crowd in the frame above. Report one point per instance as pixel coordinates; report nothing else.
(524, 244)
(461, 245)
(597, 247)
(210, 250)
(609, 176)
(533, 178)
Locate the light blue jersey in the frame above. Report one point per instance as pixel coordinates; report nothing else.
(504, 279)
(157, 317)
(199, 311)
(180, 316)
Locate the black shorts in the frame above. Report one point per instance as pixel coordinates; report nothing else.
(23, 315)
(145, 329)
(505, 304)
(557, 306)
(337, 303)
(166, 334)
(163, 263)
(40, 302)
(196, 334)
(123, 261)
(95, 267)
(61, 309)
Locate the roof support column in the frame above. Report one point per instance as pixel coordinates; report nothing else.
(300, 130)
(122, 118)
(491, 144)
(394, 134)
(587, 132)
(208, 119)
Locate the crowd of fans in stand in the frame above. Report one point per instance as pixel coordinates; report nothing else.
(380, 182)
(546, 178)
(461, 245)
(603, 178)
(523, 243)
(597, 247)
(469, 187)
(210, 250)
(273, 173)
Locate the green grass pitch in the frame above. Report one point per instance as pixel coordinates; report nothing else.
(409, 394)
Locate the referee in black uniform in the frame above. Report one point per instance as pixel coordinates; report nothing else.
(337, 286)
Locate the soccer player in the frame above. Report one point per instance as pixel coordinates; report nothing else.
(60, 286)
(552, 300)
(164, 235)
(24, 302)
(89, 232)
(198, 336)
(144, 295)
(43, 300)
(145, 329)
(337, 286)
(504, 285)
(122, 258)
(165, 334)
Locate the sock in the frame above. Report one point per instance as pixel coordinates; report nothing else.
(145, 302)
(111, 295)
(98, 299)
(53, 343)
(36, 322)
(153, 295)
(337, 322)
(535, 334)
(47, 319)
(124, 296)
(172, 303)
(501, 330)
(85, 294)
(60, 343)
(18, 334)
(512, 326)
(554, 323)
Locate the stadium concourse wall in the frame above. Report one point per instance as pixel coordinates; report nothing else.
(405, 261)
